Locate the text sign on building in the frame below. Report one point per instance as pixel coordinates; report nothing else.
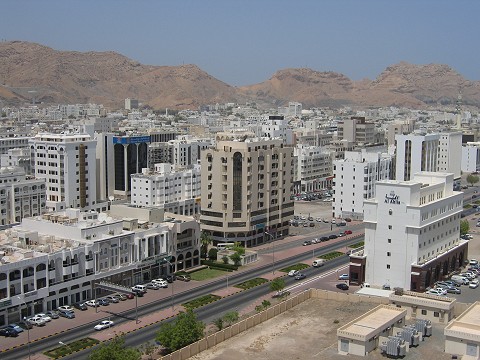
(131, 140)
(392, 198)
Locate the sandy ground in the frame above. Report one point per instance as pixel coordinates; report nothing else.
(309, 331)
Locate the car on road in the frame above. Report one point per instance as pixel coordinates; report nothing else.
(66, 308)
(334, 221)
(80, 306)
(67, 314)
(315, 241)
(347, 232)
(343, 277)
(473, 262)
(105, 324)
(333, 236)
(183, 277)
(307, 242)
(293, 272)
(341, 234)
(300, 276)
(342, 286)
(8, 332)
(53, 314)
(325, 220)
(324, 238)
(92, 303)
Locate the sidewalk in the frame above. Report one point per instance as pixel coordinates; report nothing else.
(159, 316)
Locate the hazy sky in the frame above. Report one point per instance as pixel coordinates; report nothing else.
(245, 41)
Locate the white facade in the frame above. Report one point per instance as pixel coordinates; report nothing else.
(67, 163)
(273, 128)
(410, 223)
(450, 154)
(20, 196)
(185, 150)
(312, 168)
(17, 158)
(168, 187)
(471, 157)
(355, 178)
(415, 153)
(8, 143)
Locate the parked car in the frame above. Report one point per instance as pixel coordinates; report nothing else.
(342, 286)
(437, 292)
(170, 278)
(67, 314)
(26, 325)
(324, 238)
(105, 324)
(139, 288)
(103, 302)
(315, 241)
(44, 317)
(130, 296)
(80, 306)
(343, 277)
(452, 289)
(15, 327)
(66, 308)
(307, 242)
(37, 321)
(161, 283)
(139, 293)
(152, 285)
(92, 303)
(473, 262)
(347, 232)
(473, 284)
(121, 297)
(183, 277)
(293, 272)
(8, 332)
(333, 236)
(347, 219)
(341, 234)
(300, 276)
(53, 314)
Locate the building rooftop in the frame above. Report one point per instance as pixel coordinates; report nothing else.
(467, 325)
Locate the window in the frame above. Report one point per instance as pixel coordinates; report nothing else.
(389, 227)
(388, 266)
(390, 212)
(388, 253)
(424, 312)
(436, 314)
(389, 241)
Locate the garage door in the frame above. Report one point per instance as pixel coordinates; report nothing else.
(344, 345)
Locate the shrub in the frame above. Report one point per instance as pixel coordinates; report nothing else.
(220, 266)
(212, 254)
(225, 259)
(251, 283)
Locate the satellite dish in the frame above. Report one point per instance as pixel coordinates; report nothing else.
(111, 198)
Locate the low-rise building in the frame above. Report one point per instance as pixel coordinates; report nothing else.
(462, 335)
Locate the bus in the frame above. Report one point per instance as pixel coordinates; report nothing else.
(223, 246)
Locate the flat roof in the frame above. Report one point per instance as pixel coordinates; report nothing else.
(372, 323)
(467, 325)
(370, 291)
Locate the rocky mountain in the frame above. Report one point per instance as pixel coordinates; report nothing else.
(31, 71)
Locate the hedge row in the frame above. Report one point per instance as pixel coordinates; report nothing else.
(219, 266)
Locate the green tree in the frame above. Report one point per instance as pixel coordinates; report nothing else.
(231, 317)
(218, 323)
(472, 179)
(236, 258)
(212, 254)
(277, 284)
(205, 240)
(225, 259)
(237, 247)
(184, 331)
(464, 227)
(115, 350)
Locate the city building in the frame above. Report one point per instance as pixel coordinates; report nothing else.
(276, 126)
(357, 130)
(246, 189)
(355, 178)
(471, 157)
(17, 158)
(131, 104)
(412, 233)
(312, 169)
(462, 334)
(177, 190)
(450, 154)
(57, 258)
(404, 127)
(21, 196)
(68, 165)
(415, 153)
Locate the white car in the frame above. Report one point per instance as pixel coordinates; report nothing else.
(437, 292)
(293, 272)
(160, 282)
(44, 317)
(473, 261)
(65, 308)
(473, 284)
(104, 325)
(92, 303)
(37, 321)
(343, 277)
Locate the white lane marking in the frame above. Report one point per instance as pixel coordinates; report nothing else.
(315, 278)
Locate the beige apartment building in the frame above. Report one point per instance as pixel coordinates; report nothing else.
(246, 188)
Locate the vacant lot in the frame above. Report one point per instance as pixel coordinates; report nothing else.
(309, 331)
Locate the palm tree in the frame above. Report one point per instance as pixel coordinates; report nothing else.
(205, 240)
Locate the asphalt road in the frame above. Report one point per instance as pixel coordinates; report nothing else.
(227, 304)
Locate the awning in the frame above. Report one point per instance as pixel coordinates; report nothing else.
(415, 273)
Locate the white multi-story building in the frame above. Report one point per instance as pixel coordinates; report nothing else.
(20, 196)
(17, 158)
(412, 233)
(68, 165)
(8, 143)
(274, 127)
(415, 153)
(175, 189)
(471, 157)
(55, 259)
(355, 178)
(450, 154)
(312, 169)
(185, 150)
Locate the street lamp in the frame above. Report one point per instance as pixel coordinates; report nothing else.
(273, 251)
(173, 295)
(27, 325)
